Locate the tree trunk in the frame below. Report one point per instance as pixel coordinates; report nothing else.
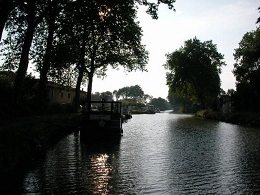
(47, 58)
(23, 65)
(90, 81)
(81, 73)
(79, 81)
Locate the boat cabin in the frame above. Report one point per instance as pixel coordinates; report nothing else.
(102, 118)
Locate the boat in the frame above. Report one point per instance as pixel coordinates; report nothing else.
(102, 119)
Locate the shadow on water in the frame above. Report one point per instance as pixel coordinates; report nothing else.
(75, 165)
(101, 145)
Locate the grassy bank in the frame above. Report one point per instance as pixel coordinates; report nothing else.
(246, 119)
(23, 140)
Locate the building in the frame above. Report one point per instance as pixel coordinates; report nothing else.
(62, 95)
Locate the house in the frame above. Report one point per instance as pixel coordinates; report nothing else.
(63, 95)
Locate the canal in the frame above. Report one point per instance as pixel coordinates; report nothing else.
(162, 153)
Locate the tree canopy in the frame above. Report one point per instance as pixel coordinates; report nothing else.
(132, 92)
(98, 34)
(160, 103)
(247, 72)
(194, 72)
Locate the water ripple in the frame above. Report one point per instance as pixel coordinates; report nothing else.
(158, 154)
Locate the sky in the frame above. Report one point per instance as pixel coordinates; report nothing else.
(223, 21)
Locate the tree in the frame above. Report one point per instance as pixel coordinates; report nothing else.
(194, 72)
(115, 94)
(24, 18)
(136, 92)
(180, 104)
(123, 92)
(153, 7)
(6, 6)
(160, 103)
(247, 73)
(107, 95)
(117, 35)
(53, 10)
(110, 37)
(133, 92)
(6, 85)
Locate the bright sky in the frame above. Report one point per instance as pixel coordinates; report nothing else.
(223, 21)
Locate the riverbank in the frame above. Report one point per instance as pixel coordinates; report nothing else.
(23, 140)
(245, 119)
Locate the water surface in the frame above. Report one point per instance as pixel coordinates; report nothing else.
(161, 153)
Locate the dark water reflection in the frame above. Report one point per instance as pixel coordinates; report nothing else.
(159, 154)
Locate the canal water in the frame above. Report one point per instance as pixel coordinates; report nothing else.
(162, 153)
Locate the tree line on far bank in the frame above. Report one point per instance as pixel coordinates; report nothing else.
(134, 96)
(194, 81)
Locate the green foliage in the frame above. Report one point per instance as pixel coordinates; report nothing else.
(247, 73)
(133, 92)
(160, 103)
(180, 104)
(153, 7)
(194, 72)
(100, 35)
(247, 119)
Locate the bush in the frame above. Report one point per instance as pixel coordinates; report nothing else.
(248, 119)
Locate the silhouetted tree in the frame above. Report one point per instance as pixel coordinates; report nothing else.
(194, 72)
(26, 15)
(22, 23)
(160, 103)
(6, 6)
(247, 73)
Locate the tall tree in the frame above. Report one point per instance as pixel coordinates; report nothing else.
(25, 17)
(108, 36)
(53, 10)
(6, 6)
(30, 9)
(247, 72)
(194, 72)
(32, 12)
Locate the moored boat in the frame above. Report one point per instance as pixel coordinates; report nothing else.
(102, 119)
